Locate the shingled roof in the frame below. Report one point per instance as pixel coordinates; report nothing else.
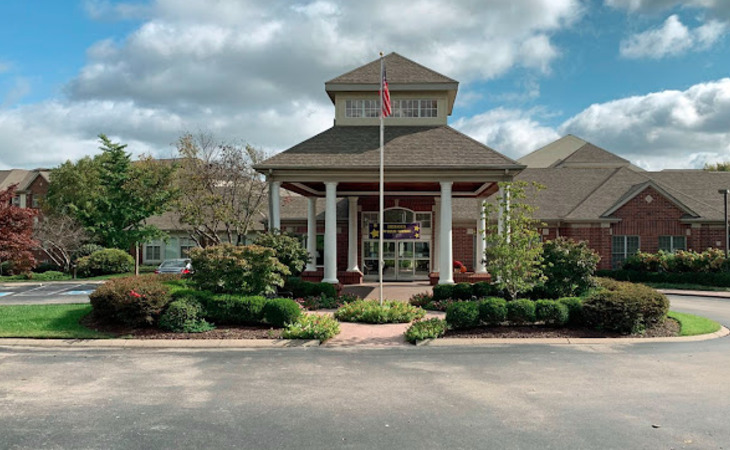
(354, 147)
(400, 70)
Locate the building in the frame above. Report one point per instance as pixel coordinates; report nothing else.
(31, 185)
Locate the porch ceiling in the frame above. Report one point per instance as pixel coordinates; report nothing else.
(364, 189)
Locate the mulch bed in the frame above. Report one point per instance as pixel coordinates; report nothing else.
(669, 328)
(220, 332)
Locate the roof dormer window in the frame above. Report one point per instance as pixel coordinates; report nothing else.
(362, 108)
(411, 108)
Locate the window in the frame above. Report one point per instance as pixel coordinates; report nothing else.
(622, 248)
(16, 200)
(153, 252)
(362, 108)
(672, 243)
(185, 246)
(415, 108)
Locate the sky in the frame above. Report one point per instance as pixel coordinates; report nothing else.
(646, 79)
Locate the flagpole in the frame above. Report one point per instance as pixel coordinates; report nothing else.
(382, 201)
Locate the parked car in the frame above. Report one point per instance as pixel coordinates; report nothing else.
(181, 266)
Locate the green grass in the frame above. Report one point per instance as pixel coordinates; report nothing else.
(691, 325)
(46, 321)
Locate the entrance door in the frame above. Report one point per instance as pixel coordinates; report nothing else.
(404, 260)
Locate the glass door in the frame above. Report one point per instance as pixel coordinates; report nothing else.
(405, 260)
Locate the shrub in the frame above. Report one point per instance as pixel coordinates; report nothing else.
(134, 301)
(86, 250)
(184, 316)
(426, 329)
(443, 292)
(279, 312)
(312, 326)
(288, 250)
(301, 288)
(625, 307)
(483, 289)
(575, 310)
(235, 309)
(370, 311)
(568, 267)
(105, 262)
(46, 266)
(463, 315)
(50, 275)
(462, 291)
(719, 279)
(227, 268)
(421, 300)
(551, 312)
(493, 310)
(521, 311)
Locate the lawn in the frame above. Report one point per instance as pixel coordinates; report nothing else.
(46, 321)
(691, 325)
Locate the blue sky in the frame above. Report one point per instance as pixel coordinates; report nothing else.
(647, 79)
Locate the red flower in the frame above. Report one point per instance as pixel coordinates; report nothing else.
(135, 294)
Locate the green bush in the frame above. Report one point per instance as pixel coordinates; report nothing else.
(105, 262)
(463, 315)
(493, 310)
(288, 250)
(279, 312)
(370, 311)
(184, 316)
(443, 292)
(568, 267)
(711, 260)
(426, 329)
(483, 289)
(718, 279)
(575, 310)
(421, 300)
(462, 291)
(625, 307)
(50, 275)
(235, 309)
(227, 268)
(521, 311)
(86, 250)
(312, 326)
(551, 312)
(134, 301)
(303, 289)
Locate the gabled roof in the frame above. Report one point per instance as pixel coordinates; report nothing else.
(572, 151)
(590, 154)
(548, 155)
(358, 147)
(22, 177)
(399, 69)
(639, 188)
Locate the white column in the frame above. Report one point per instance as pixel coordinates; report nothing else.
(435, 236)
(22, 200)
(500, 211)
(352, 236)
(330, 233)
(275, 205)
(446, 256)
(479, 266)
(312, 233)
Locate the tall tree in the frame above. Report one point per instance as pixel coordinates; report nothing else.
(59, 236)
(16, 232)
(220, 193)
(111, 195)
(514, 251)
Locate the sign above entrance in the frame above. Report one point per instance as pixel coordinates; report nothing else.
(396, 230)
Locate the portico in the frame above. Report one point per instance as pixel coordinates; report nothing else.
(428, 166)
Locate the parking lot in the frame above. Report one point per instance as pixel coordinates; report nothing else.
(43, 293)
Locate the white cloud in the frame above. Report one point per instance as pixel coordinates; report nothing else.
(255, 70)
(510, 131)
(720, 8)
(672, 38)
(5, 66)
(21, 87)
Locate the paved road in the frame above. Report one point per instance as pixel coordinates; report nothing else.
(35, 293)
(641, 396)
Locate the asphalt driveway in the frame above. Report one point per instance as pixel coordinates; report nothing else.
(40, 293)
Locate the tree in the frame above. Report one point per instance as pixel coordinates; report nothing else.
(220, 193)
(514, 251)
(16, 232)
(289, 249)
(60, 236)
(718, 167)
(111, 196)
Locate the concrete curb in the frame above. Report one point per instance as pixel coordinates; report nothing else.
(685, 293)
(469, 342)
(158, 343)
(49, 283)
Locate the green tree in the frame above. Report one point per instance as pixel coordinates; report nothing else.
(718, 167)
(289, 249)
(112, 196)
(514, 251)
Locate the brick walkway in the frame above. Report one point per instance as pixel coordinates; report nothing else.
(391, 290)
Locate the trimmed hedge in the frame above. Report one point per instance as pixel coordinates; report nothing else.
(185, 316)
(575, 310)
(105, 262)
(493, 310)
(521, 311)
(304, 289)
(134, 301)
(719, 279)
(465, 291)
(552, 312)
(624, 307)
(280, 312)
(463, 315)
(235, 309)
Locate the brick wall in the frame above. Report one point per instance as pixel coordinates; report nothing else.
(38, 189)
(463, 246)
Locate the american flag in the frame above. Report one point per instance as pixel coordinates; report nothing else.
(385, 110)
